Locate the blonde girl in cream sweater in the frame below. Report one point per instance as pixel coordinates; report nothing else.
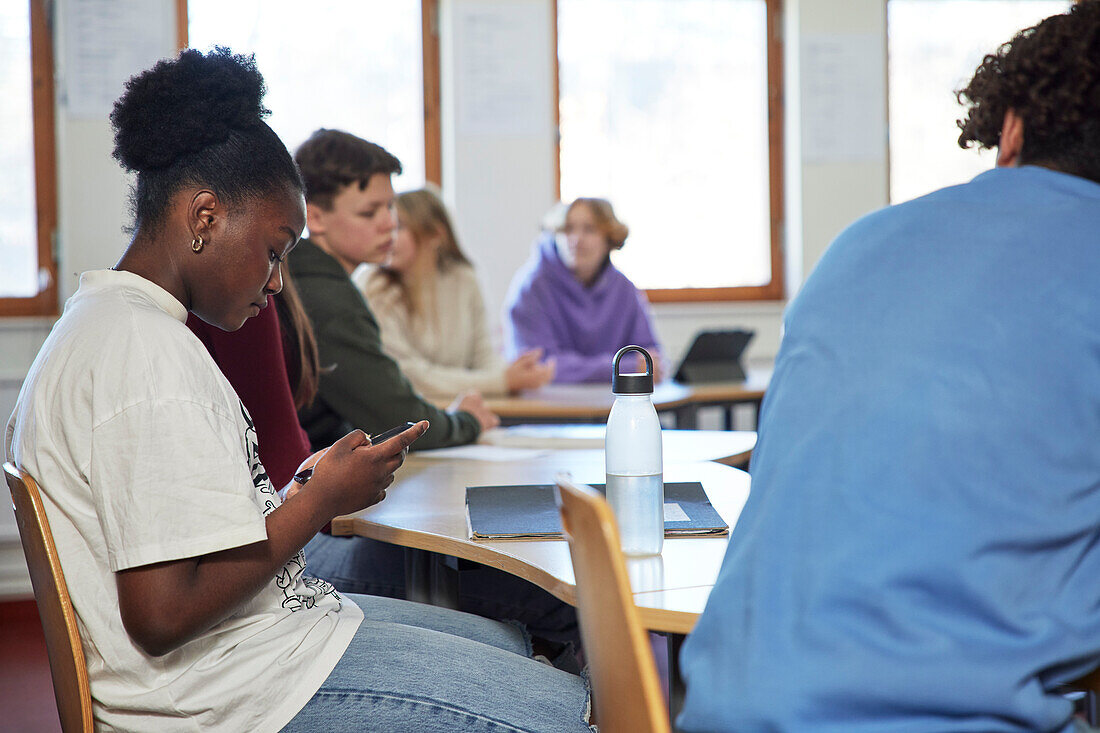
(429, 306)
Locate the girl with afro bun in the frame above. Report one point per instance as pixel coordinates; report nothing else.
(183, 562)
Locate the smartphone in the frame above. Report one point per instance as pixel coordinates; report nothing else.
(391, 433)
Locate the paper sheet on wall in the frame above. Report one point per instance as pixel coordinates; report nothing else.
(107, 42)
(843, 98)
(497, 68)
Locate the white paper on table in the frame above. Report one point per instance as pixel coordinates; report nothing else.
(675, 513)
(545, 436)
(567, 432)
(477, 452)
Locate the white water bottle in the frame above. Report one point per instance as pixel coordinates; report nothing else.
(632, 455)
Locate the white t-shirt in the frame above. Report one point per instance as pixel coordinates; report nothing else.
(144, 454)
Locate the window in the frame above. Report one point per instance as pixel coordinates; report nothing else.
(671, 109)
(935, 46)
(28, 276)
(356, 65)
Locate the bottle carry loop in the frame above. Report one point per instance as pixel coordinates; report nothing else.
(632, 383)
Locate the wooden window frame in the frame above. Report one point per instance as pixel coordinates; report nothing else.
(773, 290)
(45, 168)
(429, 41)
(433, 124)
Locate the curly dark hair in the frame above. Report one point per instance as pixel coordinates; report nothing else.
(332, 159)
(198, 120)
(1049, 75)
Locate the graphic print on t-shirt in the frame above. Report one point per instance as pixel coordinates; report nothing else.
(299, 590)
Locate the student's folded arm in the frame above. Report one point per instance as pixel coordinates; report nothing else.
(367, 387)
(164, 605)
(530, 329)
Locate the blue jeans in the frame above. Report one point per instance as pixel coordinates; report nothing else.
(412, 667)
(370, 567)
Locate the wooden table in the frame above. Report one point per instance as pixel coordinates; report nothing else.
(578, 403)
(557, 403)
(425, 509)
(728, 394)
(733, 448)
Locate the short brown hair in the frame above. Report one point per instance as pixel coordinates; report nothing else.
(608, 224)
(332, 159)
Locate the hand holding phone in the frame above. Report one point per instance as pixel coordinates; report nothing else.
(391, 433)
(354, 473)
(306, 474)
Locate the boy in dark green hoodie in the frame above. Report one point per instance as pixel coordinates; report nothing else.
(351, 219)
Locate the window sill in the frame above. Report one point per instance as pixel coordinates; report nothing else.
(703, 308)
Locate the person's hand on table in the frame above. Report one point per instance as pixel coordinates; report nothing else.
(473, 403)
(528, 371)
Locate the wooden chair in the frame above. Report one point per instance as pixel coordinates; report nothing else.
(55, 609)
(626, 689)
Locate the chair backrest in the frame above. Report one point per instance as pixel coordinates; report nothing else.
(626, 689)
(55, 608)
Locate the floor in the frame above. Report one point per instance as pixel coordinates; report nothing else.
(26, 692)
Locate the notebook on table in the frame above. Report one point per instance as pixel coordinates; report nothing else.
(528, 512)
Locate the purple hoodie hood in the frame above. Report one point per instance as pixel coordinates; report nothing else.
(582, 327)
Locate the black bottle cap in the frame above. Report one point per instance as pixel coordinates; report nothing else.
(632, 383)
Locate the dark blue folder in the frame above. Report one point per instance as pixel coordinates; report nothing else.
(528, 511)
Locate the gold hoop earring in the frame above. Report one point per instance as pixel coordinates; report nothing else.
(197, 244)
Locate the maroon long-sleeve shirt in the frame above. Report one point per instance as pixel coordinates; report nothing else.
(252, 359)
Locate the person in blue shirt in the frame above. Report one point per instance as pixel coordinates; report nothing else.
(921, 547)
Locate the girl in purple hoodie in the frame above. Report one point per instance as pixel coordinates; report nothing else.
(573, 303)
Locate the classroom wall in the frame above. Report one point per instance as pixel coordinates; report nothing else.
(499, 175)
(500, 184)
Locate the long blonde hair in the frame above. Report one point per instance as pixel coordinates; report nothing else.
(426, 216)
